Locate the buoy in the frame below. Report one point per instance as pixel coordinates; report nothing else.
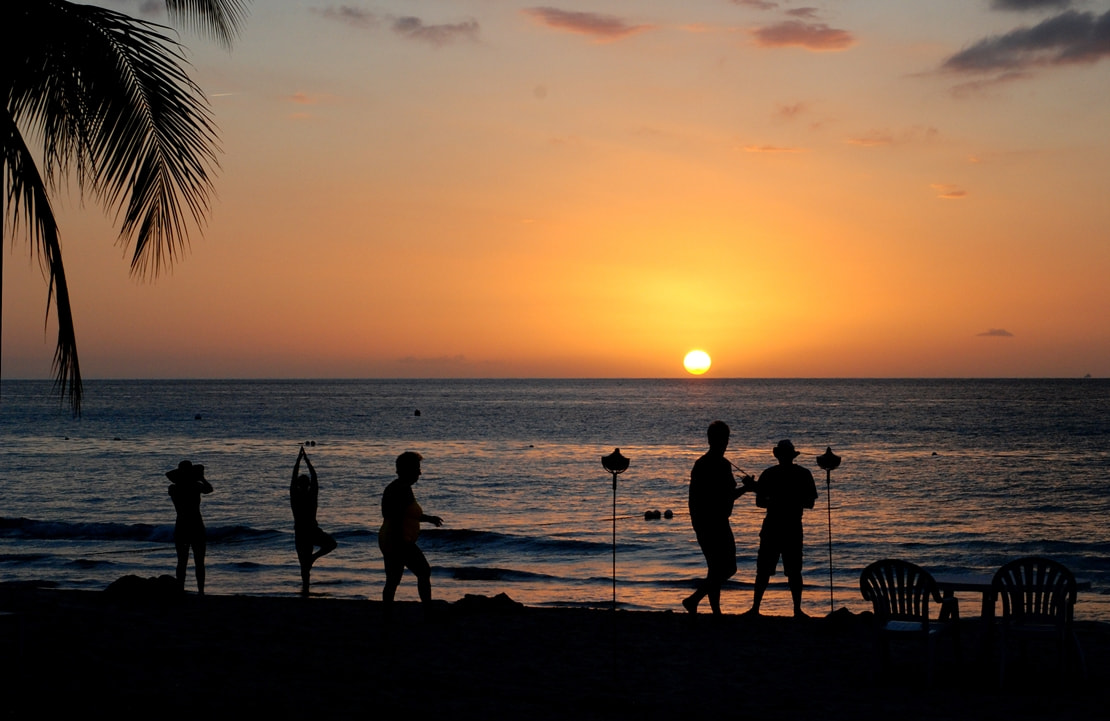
(417, 412)
(668, 513)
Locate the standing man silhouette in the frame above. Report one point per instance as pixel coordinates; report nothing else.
(713, 491)
(400, 528)
(785, 490)
(304, 493)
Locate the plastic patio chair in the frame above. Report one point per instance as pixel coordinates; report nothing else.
(1038, 600)
(900, 593)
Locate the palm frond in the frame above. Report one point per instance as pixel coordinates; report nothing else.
(27, 200)
(221, 19)
(113, 101)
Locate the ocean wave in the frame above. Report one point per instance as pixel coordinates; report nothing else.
(28, 528)
(460, 539)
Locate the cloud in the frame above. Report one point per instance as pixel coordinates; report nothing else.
(771, 149)
(303, 99)
(607, 27)
(995, 333)
(453, 361)
(1023, 5)
(803, 13)
(808, 35)
(415, 29)
(877, 137)
(789, 112)
(757, 4)
(1065, 39)
(872, 139)
(947, 191)
(355, 17)
(409, 27)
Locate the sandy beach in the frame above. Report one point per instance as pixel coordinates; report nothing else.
(219, 656)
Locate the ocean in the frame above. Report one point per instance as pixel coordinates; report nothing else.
(955, 475)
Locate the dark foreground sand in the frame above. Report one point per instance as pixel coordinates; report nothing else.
(99, 653)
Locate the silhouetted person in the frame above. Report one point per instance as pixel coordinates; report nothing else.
(712, 493)
(303, 495)
(187, 484)
(400, 528)
(785, 491)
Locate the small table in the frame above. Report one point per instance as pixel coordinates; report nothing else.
(949, 583)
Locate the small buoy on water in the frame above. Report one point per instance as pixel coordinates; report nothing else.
(196, 417)
(652, 515)
(417, 412)
(668, 513)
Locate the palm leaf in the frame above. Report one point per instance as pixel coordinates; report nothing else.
(27, 200)
(110, 99)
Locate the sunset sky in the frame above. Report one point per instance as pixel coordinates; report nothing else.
(491, 188)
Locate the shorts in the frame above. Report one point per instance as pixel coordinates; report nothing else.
(779, 539)
(400, 554)
(719, 548)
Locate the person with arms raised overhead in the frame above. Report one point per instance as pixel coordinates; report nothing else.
(304, 491)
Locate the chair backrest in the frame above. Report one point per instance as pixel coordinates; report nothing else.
(1035, 590)
(899, 590)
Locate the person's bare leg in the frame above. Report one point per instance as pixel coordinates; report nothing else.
(198, 562)
(182, 563)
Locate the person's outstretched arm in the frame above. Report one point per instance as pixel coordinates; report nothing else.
(311, 469)
(297, 467)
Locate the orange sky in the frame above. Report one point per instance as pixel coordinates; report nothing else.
(505, 189)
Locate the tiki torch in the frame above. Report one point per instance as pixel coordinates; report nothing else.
(616, 464)
(829, 461)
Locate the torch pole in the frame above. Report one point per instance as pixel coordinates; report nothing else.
(828, 501)
(614, 542)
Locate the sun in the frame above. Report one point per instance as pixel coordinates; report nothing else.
(697, 362)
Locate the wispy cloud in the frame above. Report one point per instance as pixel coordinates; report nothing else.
(878, 137)
(871, 139)
(803, 13)
(791, 111)
(1022, 5)
(798, 33)
(772, 149)
(947, 191)
(757, 4)
(1066, 39)
(995, 333)
(605, 27)
(442, 34)
(304, 99)
(412, 28)
(355, 17)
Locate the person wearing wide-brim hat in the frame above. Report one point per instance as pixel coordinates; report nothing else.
(785, 490)
(187, 484)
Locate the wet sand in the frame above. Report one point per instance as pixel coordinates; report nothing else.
(220, 656)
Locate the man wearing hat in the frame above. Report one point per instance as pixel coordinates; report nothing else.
(785, 491)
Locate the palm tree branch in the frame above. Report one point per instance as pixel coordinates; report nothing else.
(27, 199)
(221, 19)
